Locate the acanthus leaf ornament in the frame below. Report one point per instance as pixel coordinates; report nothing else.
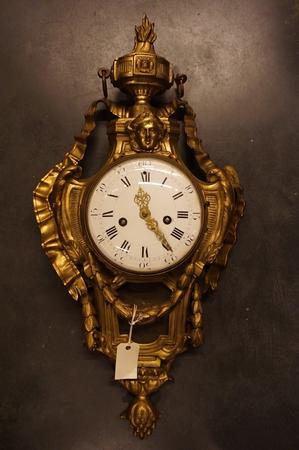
(144, 229)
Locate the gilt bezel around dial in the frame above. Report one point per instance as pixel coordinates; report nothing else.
(142, 204)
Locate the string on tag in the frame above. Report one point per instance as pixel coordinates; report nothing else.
(126, 364)
(135, 318)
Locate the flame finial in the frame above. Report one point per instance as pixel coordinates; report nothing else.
(145, 31)
(141, 72)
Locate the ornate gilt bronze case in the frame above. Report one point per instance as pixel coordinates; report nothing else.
(168, 301)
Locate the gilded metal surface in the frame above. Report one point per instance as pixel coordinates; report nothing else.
(59, 207)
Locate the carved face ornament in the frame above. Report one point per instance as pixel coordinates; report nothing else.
(146, 132)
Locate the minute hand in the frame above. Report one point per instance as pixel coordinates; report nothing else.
(142, 200)
(152, 225)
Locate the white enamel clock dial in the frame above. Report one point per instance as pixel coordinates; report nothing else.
(144, 215)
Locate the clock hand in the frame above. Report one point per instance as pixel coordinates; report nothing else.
(152, 225)
(142, 199)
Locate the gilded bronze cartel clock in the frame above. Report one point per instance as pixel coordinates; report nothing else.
(143, 239)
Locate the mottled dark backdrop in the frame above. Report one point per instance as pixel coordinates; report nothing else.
(240, 391)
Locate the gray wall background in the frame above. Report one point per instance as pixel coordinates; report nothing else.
(240, 390)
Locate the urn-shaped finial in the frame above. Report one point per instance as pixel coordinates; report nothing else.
(142, 73)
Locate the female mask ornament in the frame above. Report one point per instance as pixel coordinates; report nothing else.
(146, 132)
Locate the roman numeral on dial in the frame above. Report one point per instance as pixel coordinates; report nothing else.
(146, 176)
(108, 214)
(112, 232)
(177, 233)
(125, 246)
(126, 181)
(144, 252)
(177, 195)
(182, 214)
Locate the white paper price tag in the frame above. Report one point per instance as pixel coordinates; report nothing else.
(126, 361)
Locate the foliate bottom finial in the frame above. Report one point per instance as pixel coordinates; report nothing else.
(142, 416)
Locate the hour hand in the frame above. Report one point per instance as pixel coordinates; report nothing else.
(142, 199)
